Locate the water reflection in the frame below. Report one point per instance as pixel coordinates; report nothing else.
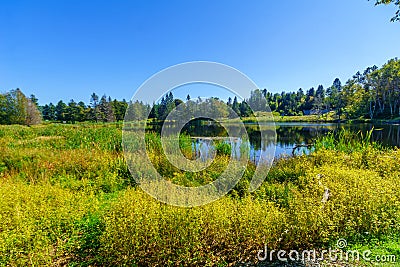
(289, 135)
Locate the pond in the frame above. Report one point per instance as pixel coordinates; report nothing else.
(291, 134)
(291, 137)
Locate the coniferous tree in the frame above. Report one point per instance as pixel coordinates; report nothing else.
(60, 111)
(235, 106)
(94, 111)
(49, 112)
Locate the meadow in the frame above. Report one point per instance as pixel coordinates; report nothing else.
(67, 198)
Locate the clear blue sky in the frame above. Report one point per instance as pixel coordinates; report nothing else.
(69, 49)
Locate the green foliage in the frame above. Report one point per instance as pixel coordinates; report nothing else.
(223, 148)
(86, 244)
(16, 108)
(374, 93)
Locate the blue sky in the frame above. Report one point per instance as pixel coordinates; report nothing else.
(69, 49)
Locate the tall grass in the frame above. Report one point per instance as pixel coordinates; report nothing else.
(347, 141)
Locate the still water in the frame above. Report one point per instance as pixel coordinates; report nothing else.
(288, 136)
(291, 134)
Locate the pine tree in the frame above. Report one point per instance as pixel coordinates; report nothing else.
(48, 112)
(94, 111)
(60, 111)
(235, 106)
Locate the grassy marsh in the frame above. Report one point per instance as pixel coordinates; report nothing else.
(67, 198)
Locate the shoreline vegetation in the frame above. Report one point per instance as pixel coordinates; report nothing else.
(316, 118)
(327, 118)
(67, 198)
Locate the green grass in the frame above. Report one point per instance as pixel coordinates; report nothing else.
(67, 198)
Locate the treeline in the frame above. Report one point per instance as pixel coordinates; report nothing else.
(373, 93)
(17, 109)
(213, 106)
(100, 109)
